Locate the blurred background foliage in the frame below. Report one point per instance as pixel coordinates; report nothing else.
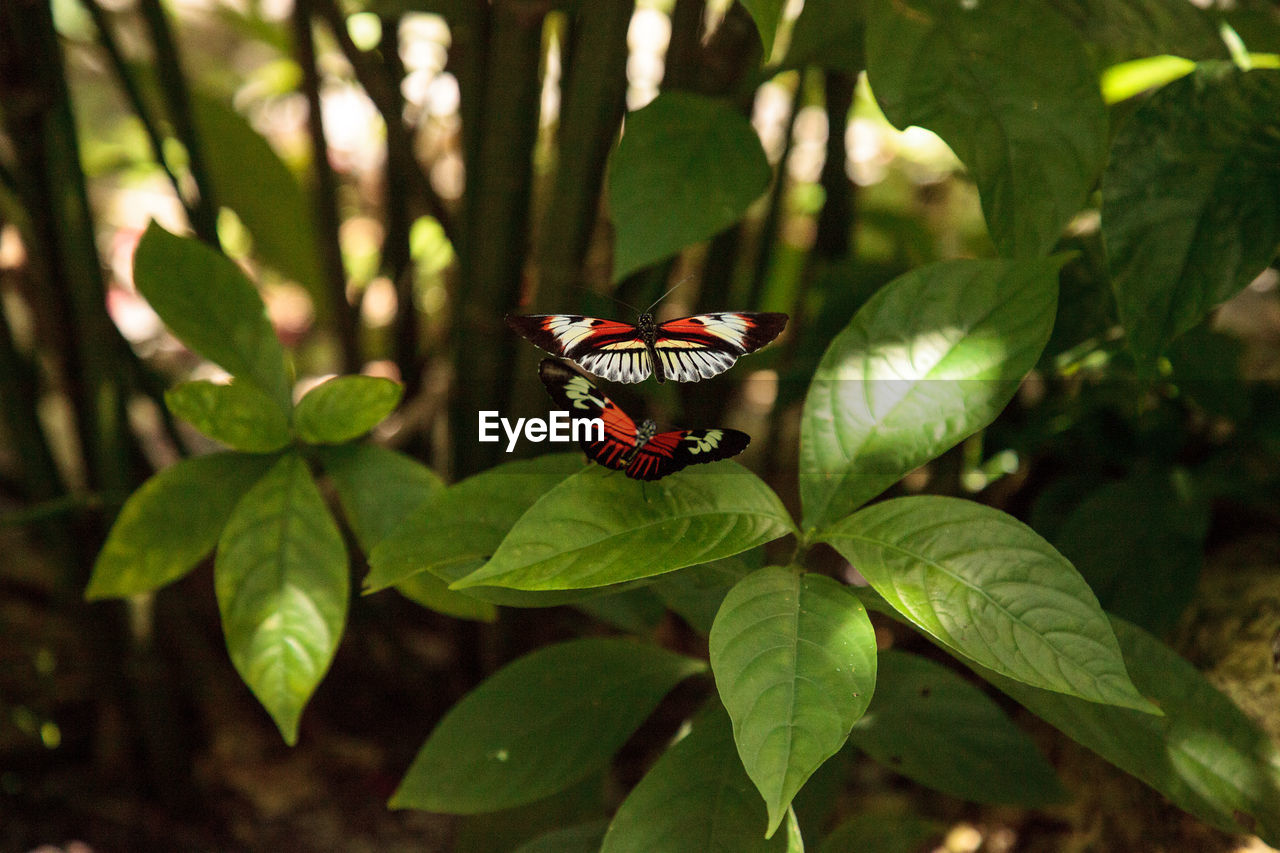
(397, 175)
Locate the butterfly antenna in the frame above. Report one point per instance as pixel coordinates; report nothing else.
(622, 302)
(668, 293)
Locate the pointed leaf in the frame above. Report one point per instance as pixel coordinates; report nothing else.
(206, 301)
(239, 415)
(687, 167)
(930, 359)
(931, 725)
(344, 408)
(378, 488)
(1188, 200)
(434, 594)
(282, 586)
(1009, 85)
(794, 658)
(596, 528)
(171, 522)
(766, 14)
(539, 724)
(1204, 754)
(987, 587)
(583, 838)
(695, 799)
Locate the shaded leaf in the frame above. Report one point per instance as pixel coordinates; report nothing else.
(930, 359)
(931, 725)
(239, 415)
(1009, 85)
(583, 838)
(1204, 754)
(344, 408)
(829, 34)
(377, 487)
(987, 587)
(1132, 29)
(596, 528)
(207, 301)
(687, 167)
(1188, 208)
(794, 658)
(636, 610)
(434, 594)
(877, 832)
(282, 587)
(171, 522)
(539, 724)
(695, 593)
(765, 14)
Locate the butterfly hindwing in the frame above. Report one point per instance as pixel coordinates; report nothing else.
(668, 452)
(575, 393)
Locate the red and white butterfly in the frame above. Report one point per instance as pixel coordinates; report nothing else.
(686, 350)
(640, 451)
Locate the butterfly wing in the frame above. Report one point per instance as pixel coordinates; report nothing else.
(668, 452)
(575, 393)
(705, 345)
(607, 348)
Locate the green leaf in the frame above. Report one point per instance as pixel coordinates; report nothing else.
(1009, 85)
(460, 528)
(1204, 754)
(171, 522)
(829, 34)
(539, 724)
(931, 725)
(1119, 30)
(695, 799)
(583, 838)
(434, 594)
(695, 593)
(766, 14)
(208, 303)
(345, 407)
(879, 832)
(930, 359)
(239, 415)
(637, 611)
(378, 488)
(282, 586)
(596, 528)
(987, 587)
(251, 179)
(1139, 543)
(1188, 208)
(687, 167)
(794, 658)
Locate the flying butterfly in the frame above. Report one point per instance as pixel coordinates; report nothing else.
(641, 451)
(686, 350)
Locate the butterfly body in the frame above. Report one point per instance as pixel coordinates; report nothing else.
(638, 450)
(687, 349)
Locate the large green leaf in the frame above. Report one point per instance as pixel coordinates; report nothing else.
(1119, 30)
(434, 594)
(171, 522)
(251, 179)
(695, 593)
(686, 168)
(1204, 754)
(282, 586)
(881, 832)
(1139, 543)
(378, 488)
(460, 528)
(539, 724)
(987, 587)
(931, 725)
(930, 359)
(344, 408)
(239, 415)
(583, 838)
(794, 657)
(695, 799)
(1188, 200)
(597, 528)
(208, 303)
(1009, 85)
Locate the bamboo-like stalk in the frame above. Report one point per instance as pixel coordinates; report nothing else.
(324, 197)
(835, 221)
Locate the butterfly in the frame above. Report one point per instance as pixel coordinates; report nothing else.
(641, 451)
(687, 350)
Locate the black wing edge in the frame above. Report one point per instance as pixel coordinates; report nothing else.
(532, 327)
(763, 329)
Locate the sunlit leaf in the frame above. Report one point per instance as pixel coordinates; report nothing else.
(794, 657)
(171, 522)
(598, 528)
(282, 586)
(930, 359)
(987, 587)
(239, 415)
(539, 724)
(344, 408)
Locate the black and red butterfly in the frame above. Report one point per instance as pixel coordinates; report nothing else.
(686, 350)
(640, 451)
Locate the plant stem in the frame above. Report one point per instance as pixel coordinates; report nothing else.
(325, 196)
